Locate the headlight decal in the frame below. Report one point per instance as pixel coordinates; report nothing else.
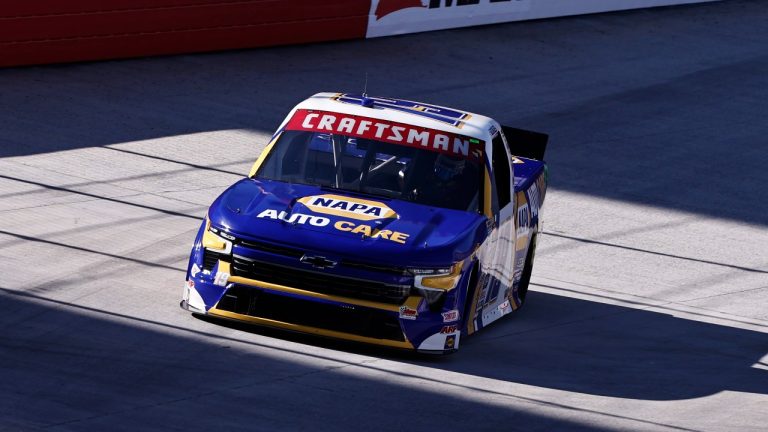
(213, 240)
(444, 280)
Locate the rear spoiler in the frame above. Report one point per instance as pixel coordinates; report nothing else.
(525, 143)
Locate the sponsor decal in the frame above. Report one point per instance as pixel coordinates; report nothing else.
(221, 279)
(523, 215)
(448, 329)
(451, 316)
(505, 307)
(194, 271)
(386, 131)
(522, 222)
(370, 231)
(354, 208)
(450, 342)
(408, 313)
(386, 7)
(341, 225)
(533, 199)
(295, 218)
(423, 15)
(541, 184)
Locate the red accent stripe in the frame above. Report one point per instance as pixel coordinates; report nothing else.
(386, 7)
(383, 130)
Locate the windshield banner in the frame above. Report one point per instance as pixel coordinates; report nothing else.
(386, 131)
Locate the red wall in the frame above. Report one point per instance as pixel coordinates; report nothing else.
(52, 31)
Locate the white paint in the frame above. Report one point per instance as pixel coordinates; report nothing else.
(419, 19)
(474, 125)
(193, 298)
(221, 279)
(436, 342)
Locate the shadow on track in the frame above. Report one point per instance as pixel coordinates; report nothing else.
(77, 368)
(600, 349)
(80, 355)
(592, 348)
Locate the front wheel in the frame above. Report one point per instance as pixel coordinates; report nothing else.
(525, 279)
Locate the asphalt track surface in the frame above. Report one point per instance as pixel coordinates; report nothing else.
(649, 304)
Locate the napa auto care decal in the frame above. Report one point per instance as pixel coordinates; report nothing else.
(406, 16)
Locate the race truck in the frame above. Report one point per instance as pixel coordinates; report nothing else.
(376, 220)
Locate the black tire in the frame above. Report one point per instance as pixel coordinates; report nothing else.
(525, 279)
(471, 287)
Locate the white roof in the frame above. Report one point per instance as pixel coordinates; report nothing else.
(408, 112)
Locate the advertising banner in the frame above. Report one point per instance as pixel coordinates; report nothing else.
(392, 17)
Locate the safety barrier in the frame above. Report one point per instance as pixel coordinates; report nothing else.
(52, 31)
(391, 17)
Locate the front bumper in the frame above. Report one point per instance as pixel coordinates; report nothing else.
(410, 326)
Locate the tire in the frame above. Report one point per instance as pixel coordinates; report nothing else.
(471, 288)
(525, 279)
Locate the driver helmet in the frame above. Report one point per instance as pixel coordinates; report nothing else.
(448, 167)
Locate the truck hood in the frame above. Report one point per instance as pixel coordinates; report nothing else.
(322, 220)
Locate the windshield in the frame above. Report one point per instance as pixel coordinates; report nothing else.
(371, 166)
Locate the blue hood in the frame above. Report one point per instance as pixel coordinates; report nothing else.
(363, 227)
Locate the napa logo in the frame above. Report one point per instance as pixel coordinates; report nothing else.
(354, 208)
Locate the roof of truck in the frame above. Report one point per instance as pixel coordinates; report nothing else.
(404, 111)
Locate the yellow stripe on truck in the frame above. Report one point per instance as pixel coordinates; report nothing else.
(311, 330)
(263, 156)
(412, 300)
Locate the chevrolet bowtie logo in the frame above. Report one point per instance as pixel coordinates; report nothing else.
(318, 262)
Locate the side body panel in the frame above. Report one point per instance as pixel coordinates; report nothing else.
(502, 256)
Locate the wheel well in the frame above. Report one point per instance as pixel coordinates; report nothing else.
(471, 288)
(525, 278)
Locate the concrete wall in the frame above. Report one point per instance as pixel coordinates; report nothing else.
(389, 17)
(53, 31)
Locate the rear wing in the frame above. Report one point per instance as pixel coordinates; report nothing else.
(525, 143)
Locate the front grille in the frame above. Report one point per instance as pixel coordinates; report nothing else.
(271, 248)
(348, 319)
(298, 253)
(211, 258)
(401, 271)
(319, 282)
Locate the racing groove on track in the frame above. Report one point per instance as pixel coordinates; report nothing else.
(650, 286)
